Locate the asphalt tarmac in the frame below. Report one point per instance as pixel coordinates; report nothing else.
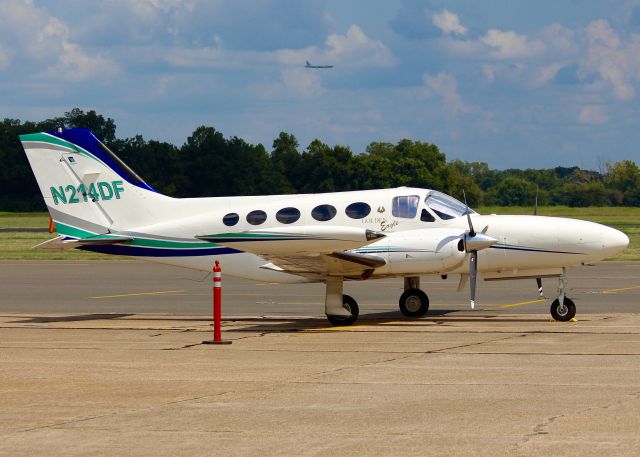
(140, 287)
(106, 358)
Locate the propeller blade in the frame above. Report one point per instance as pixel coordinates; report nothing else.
(539, 282)
(472, 232)
(535, 209)
(473, 274)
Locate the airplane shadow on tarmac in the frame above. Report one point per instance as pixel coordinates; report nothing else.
(297, 323)
(439, 317)
(75, 318)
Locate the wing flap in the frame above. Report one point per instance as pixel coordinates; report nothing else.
(337, 263)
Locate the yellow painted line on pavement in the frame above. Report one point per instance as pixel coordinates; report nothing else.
(613, 291)
(514, 305)
(141, 293)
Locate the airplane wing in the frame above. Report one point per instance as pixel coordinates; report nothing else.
(311, 251)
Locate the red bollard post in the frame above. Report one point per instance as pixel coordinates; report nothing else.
(217, 307)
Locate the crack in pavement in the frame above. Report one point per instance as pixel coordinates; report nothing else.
(409, 355)
(117, 413)
(542, 428)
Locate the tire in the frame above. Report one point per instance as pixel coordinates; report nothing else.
(349, 304)
(563, 313)
(414, 303)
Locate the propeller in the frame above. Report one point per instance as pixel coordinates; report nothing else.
(473, 242)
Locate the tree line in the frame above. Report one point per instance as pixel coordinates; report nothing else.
(208, 164)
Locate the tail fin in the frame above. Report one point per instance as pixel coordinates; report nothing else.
(88, 190)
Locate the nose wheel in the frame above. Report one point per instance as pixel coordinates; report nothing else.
(563, 312)
(563, 309)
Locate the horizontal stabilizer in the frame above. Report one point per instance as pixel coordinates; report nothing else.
(62, 242)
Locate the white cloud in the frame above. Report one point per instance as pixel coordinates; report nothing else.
(592, 114)
(509, 44)
(4, 58)
(356, 49)
(560, 38)
(513, 72)
(448, 22)
(75, 65)
(39, 38)
(351, 50)
(445, 86)
(302, 83)
(547, 73)
(617, 63)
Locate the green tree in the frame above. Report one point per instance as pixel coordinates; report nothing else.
(286, 161)
(462, 183)
(624, 177)
(158, 163)
(20, 191)
(512, 191)
(591, 193)
(326, 169)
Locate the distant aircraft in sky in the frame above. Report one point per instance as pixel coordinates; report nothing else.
(308, 65)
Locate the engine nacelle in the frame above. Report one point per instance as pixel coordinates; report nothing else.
(425, 251)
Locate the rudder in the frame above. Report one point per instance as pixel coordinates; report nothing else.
(88, 190)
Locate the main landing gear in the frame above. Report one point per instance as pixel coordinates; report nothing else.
(413, 301)
(342, 309)
(563, 309)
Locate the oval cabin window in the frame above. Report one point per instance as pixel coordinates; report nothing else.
(323, 212)
(358, 210)
(288, 215)
(230, 219)
(256, 217)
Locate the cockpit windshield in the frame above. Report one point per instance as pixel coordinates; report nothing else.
(446, 207)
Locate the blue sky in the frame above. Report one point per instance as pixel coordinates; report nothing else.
(512, 83)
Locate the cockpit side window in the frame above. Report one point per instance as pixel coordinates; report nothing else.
(446, 207)
(405, 206)
(426, 216)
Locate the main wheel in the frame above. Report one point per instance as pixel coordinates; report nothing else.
(564, 312)
(350, 305)
(414, 303)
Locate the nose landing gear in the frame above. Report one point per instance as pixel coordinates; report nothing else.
(563, 309)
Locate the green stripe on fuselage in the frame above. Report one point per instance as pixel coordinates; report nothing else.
(255, 236)
(74, 232)
(145, 242)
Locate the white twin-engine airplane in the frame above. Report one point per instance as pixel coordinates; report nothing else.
(99, 204)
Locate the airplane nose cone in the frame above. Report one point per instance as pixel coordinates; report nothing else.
(614, 241)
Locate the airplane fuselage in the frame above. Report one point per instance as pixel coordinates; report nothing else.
(413, 245)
